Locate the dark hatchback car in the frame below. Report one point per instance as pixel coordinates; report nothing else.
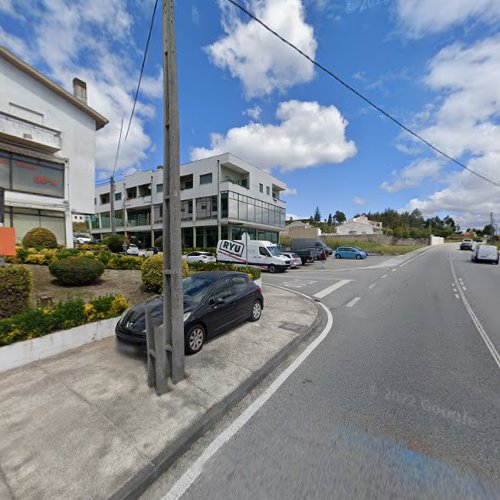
(213, 302)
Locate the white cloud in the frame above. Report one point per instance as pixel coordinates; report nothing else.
(308, 135)
(93, 40)
(290, 192)
(16, 45)
(253, 112)
(195, 15)
(465, 123)
(413, 175)
(357, 200)
(261, 61)
(420, 17)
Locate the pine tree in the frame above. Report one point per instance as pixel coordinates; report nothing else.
(317, 215)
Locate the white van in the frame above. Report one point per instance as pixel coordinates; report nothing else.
(485, 253)
(261, 254)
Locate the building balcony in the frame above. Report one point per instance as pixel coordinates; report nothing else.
(30, 134)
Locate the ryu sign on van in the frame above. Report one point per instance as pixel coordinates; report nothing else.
(233, 248)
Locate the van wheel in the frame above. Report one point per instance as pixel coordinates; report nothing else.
(272, 268)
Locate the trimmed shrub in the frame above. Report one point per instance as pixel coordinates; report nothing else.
(115, 242)
(125, 262)
(38, 322)
(16, 283)
(152, 272)
(40, 237)
(76, 271)
(255, 272)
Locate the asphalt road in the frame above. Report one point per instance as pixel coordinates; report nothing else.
(401, 399)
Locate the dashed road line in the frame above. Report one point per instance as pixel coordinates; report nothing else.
(353, 302)
(384, 276)
(372, 286)
(330, 289)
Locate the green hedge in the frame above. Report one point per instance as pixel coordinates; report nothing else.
(115, 242)
(39, 237)
(16, 283)
(152, 273)
(38, 322)
(215, 266)
(76, 271)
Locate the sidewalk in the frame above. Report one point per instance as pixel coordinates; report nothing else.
(85, 425)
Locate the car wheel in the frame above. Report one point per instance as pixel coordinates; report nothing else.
(195, 338)
(337, 256)
(256, 311)
(272, 268)
(358, 257)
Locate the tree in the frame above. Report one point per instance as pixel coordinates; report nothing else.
(311, 220)
(330, 219)
(340, 217)
(317, 215)
(488, 230)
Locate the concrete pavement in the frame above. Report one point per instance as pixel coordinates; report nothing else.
(85, 425)
(400, 400)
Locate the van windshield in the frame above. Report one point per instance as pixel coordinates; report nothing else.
(274, 251)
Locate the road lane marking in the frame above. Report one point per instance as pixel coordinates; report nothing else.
(372, 286)
(190, 476)
(353, 302)
(416, 257)
(384, 276)
(457, 296)
(330, 289)
(475, 320)
(394, 270)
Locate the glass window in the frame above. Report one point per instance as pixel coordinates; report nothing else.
(195, 289)
(159, 188)
(243, 210)
(4, 172)
(26, 219)
(263, 251)
(251, 213)
(118, 196)
(261, 188)
(224, 203)
(268, 191)
(240, 284)
(37, 177)
(222, 290)
(206, 179)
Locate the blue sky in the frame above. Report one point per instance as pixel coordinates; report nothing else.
(434, 66)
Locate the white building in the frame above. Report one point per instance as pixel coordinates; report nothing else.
(222, 196)
(47, 150)
(359, 225)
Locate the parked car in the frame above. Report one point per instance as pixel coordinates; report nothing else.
(132, 250)
(148, 252)
(213, 302)
(350, 253)
(467, 244)
(82, 239)
(204, 257)
(486, 253)
(295, 260)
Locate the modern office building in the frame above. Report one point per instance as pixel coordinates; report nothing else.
(221, 197)
(47, 150)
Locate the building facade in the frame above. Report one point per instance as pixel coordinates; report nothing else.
(47, 150)
(221, 197)
(360, 225)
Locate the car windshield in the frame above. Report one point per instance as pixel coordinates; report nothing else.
(274, 251)
(195, 288)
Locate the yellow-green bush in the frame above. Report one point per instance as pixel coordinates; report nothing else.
(152, 272)
(76, 271)
(16, 283)
(40, 237)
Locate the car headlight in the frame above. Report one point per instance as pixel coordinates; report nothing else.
(186, 316)
(122, 317)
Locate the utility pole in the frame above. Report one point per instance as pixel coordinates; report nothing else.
(112, 204)
(173, 307)
(492, 227)
(2, 202)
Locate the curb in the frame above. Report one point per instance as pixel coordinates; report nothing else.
(140, 482)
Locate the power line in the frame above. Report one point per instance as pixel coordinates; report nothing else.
(142, 67)
(361, 96)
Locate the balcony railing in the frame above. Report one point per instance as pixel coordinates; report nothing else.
(28, 133)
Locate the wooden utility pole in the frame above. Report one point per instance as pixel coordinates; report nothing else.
(2, 202)
(173, 307)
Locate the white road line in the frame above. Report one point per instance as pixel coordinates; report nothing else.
(475, 320)
(190, 476)
(331, 289)
(372, 286)
(353, 302)
(394, 270)
(416, 257)
(384, 276)
(464, 288)
(457, 296)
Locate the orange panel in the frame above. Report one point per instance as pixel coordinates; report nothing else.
(7, 241)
